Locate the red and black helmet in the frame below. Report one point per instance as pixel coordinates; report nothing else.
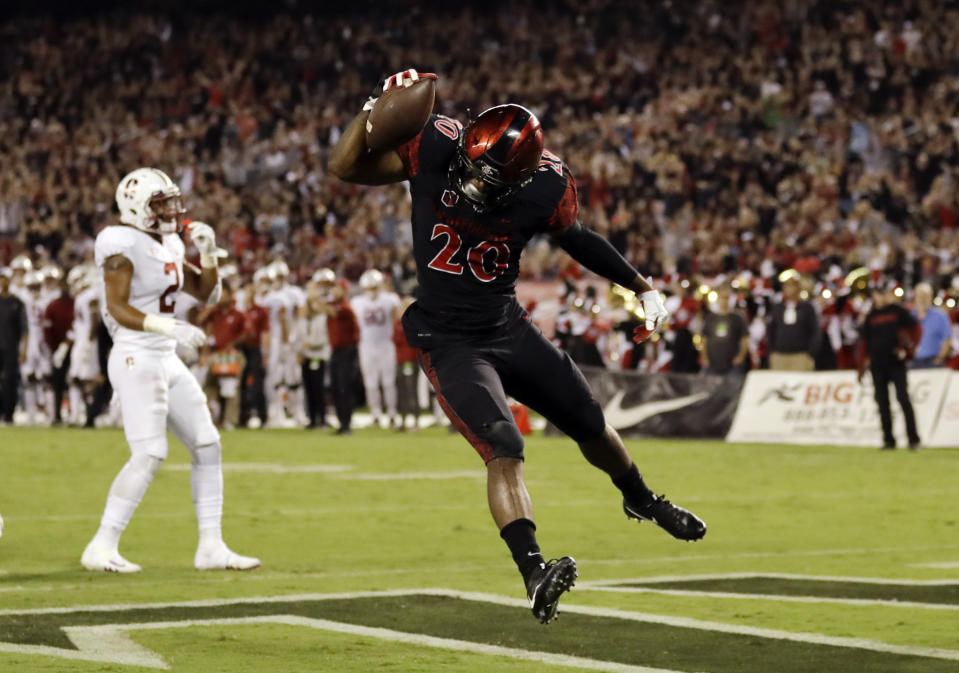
(501, 149)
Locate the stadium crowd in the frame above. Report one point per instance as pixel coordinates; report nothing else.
(724, 148)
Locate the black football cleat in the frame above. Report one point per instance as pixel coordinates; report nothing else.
(678, 522)
(547, 583)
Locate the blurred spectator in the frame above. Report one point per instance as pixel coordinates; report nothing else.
(407, 370)
(58, 319)
(228, 330)
(253, 397)
(725, 336)
(935, 343)
(890, 334)
(793, 329)
(316, 355)
(344, 334)
(13, 326)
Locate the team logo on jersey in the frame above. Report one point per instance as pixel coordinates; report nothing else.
(129, 362)
(450, 198)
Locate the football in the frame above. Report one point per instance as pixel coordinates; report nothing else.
(399, 114)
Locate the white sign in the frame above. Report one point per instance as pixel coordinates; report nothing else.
(946, 433)
(830, 408)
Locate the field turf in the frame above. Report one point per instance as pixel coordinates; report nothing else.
(379, 555)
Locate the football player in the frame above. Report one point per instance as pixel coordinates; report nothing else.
(37, 365)
(282, 323)
(479, 193)
(292, 377)
(142, 268)
(376, 310)
(81, 342)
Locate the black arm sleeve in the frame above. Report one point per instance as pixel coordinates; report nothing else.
(596, 254)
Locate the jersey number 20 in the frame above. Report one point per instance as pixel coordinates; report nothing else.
(482, 256)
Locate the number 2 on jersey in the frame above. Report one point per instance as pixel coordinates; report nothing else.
(168, 298)
(476, 255)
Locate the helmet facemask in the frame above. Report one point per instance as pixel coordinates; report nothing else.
(167, 210)
(465, 172)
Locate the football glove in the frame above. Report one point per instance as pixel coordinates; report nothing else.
(203, 237)
(402, 78)
(189, 336)
(656, 315)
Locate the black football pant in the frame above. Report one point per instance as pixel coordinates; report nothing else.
(882, 376)
(313, 373)
(59, 382)
(472, 380)
(9, 382)
(343, 369)
(252, 395)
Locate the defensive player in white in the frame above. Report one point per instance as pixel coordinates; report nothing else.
(142, 267)
(81, 342)
(295, 298)
(376, 311)
(36, 368)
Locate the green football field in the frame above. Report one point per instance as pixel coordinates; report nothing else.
(379, 555)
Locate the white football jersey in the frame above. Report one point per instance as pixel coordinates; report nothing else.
(84, 318)
(35, 307)
(157, 279)
(273, 301)
(375, 317)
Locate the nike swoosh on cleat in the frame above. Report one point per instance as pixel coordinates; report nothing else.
(621, 418)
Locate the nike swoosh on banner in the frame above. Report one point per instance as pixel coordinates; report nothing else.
(621, 418)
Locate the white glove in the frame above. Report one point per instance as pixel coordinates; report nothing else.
(187, 335)
(656, 313)
(204, 239)
(60, 354)
(403, 78)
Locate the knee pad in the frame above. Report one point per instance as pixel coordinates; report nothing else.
(504, 438)
(208, 454)
(154, 447)
(146, 464)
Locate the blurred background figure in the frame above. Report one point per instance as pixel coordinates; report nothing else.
(377, 311)
(407, 370)
(792, 329)
(57, 322)
(316, 347)
(13, 327)
(889, 336)
(936, 341)
(725, 336)
(36, 364)
(344, 335)
(227, 329)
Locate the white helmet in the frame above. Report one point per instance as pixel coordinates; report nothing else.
(21, 263)
(33, 278)
(279, 270)
(80, 277)
(149, 200)
(51, 272)
(324, 276)
(371, 279)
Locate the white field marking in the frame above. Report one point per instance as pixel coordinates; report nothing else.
(391, 636)
(764, 575)
(704, 625)
(267, 574)
(399, 476)
(272, 468)
(865, 602)
(945, 565)
(682, 622)
(112, 643)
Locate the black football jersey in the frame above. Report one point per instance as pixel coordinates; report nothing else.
(467, 261)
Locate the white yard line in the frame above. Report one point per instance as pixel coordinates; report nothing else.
(775, 597)
(401, 476)
(272, 468)
(944, 565)
(669, 620)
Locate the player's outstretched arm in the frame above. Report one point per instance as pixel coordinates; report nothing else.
(352, 161)
(599, 256)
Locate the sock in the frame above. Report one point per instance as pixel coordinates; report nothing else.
(520, 537)
(76, 403)
(390, 397)
(30, 399)
(632, 485)
(374, 401)
(124, 496)
(206, 480)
